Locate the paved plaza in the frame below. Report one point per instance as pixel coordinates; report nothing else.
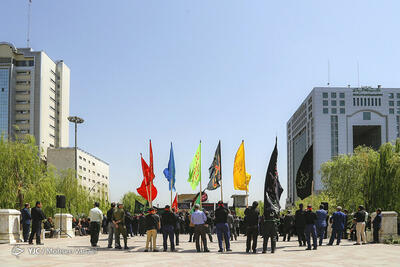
(77, 252)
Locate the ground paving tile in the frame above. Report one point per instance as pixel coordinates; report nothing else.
(287, 254)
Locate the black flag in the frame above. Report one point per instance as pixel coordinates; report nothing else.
(272, 189)
(215, 170)
(304, 176)
(139, 207)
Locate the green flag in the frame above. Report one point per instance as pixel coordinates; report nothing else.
(195, 169)
(196, 202)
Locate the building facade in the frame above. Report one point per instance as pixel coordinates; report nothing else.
(93, 173)
(34, 96)
(335, 120)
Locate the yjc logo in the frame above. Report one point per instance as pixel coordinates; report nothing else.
(16, 251)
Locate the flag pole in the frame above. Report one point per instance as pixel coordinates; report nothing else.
(151, 185)
(201, 195)
(245, 178)
(171, 195)
(220, 172)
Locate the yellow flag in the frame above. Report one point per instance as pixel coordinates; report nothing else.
(241, 178)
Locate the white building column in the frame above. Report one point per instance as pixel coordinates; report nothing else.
(65, 221)
(9, 226)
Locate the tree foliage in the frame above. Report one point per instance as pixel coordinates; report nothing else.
(129, 200)
(367, 177)
(25, 178)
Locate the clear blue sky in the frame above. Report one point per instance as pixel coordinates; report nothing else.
(184, 70)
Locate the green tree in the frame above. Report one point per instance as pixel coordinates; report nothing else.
(129, 199)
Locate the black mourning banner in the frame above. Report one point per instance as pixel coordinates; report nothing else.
(272, 187)
(215, 170)
(139, 207)
(304, 176)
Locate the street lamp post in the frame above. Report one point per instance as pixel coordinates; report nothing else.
(77, 121)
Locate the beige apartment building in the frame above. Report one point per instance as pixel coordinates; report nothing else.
(34, 96)
(93, 173)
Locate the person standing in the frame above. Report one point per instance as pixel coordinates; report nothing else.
(26, 221)
(119, 223)
(37, 218)
(310, 218)
(128, 223)
(360, 226)
(110, 225)
(95, 216)
(168, 222)
(251, 218)
(321, 223)
(221, 223)
(300, 223)
(142, 225)
(288, 222)
(338, 222)
(231, 224)
(152, 222)
(209, 223)
(376, 225)
(177, 227)
(199, 219)
(270, 221)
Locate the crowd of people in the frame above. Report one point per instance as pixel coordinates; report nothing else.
(310, 227)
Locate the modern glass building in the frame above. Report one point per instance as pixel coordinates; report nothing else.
(335, 120)
(4, 101)
(34, 96)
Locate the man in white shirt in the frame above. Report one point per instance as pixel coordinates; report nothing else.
(95, 216)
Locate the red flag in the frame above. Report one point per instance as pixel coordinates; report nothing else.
(175, 203)
(143, 189)
(146, 189)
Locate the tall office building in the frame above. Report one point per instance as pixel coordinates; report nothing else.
(335, 120)
(34, 96)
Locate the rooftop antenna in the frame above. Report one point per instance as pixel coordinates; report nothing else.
(358, 74)
(329, 73)
(29, 22)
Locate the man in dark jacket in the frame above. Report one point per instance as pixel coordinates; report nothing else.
(288, 222)
(310, 219)
(221, 223)
(168, 222)
(376, 225)
(338, 223)
(177, 227)
(300, 223)
(37, 218)
(25, 221)
(251, 218)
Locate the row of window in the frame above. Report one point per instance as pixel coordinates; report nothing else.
(22, 111)
(391, 95)
(23, 82)
(22, 121)
(391, 111)
(334, 136)
(93, 172)
(92, 180)
(334, 110)
(24, 63)
(22, 102)
(333, 95)
(333, 103)
(84, 159)
(374, 102)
